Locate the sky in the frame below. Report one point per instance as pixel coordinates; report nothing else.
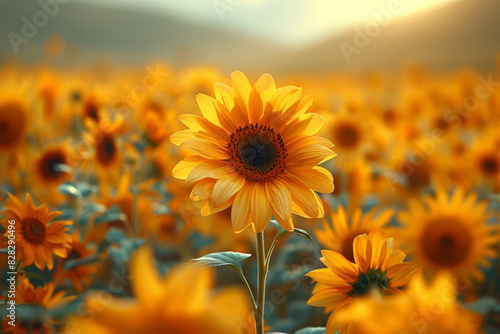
(291, 22)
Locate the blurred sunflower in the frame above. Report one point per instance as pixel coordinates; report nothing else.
(48, 92)
(46, 167)
(40, 300)
(15, 124)
(105, 140)
(92, 107)
(38, 237)
(191, 308)
(80, 273)
(338, 234)
(449, 233)
(423, 308)
(255, 150)
(486, 159)
(377, 267)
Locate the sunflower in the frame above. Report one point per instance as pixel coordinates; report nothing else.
(80, 273)
(92, 107)
(46, 165)
(191, 308)
(377, 268)
(154, 129)
(255, 150)
(15, 97)
(449, 233)
(37, 236)
(430, 308)
(338, 234)
(48, 92)
(39, 301)
(105, 140)
(486, 160)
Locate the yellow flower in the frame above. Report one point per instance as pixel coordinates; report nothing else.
(45, 166)
(255, 150)
(423, 308)
(180, 303)
(78, 274)
(42, 296)
(338, 234)
(449, 233)
(485, 159)
(105, 140)
(37, 236)
(377, 267)
(14, 120)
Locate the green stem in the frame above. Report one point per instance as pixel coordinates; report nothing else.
(249, 291)
(261, 285)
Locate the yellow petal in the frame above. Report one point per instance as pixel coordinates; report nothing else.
(226, 188)
(280, 199)
(206, 149)
(241, 209)
(209, 169)
(259, 208)
(318, 179)
(184, 167)
(340, 266)
(362, 252)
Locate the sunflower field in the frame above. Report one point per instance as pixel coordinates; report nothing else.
(197, 200)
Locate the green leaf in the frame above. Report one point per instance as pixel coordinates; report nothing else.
(484, 305)
(36, 276)
(311, 330)
(68, 264)
(298, 231)
(230, 259)
(70, 190)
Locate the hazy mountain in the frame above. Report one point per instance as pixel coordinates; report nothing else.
(129, 36)
(464, 33)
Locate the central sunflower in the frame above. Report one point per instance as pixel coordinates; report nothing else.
(255, 149)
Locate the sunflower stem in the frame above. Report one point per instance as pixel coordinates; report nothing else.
(261, 285)
(249, 291)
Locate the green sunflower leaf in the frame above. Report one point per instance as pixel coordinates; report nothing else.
(311, 330)
(69, 190)
(298, 231)
(230, 259)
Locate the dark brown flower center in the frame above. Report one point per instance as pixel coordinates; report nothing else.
(91, 110)
(33, 230)
(347, 136)
(257, 152)
(489, 165)
(12, 123)
(47, 165)
(106, 149)
(446, 242)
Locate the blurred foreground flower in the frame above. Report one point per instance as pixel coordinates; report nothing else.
(423, 308)
(449, 233)
(37, 236)
(33, 308)
(377, 268)
(182, 302)
(255, 150)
